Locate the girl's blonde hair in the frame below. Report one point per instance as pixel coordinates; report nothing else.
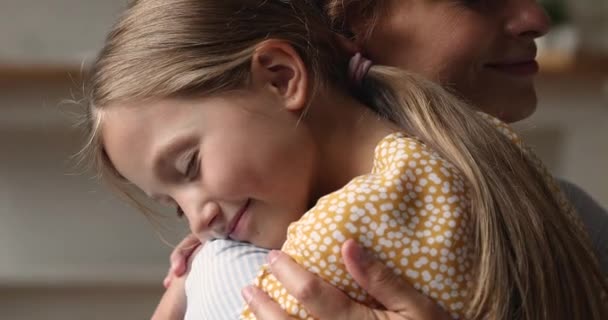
(533, 260)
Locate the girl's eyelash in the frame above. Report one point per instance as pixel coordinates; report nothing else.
(190, 174)
(192, 166)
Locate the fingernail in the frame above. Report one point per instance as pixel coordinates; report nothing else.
(272, 256)
(365, 259)
(247, 293)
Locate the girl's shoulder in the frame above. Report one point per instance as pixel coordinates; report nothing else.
(403, 166)
(408, 180)
(402, 153)
(399, 146)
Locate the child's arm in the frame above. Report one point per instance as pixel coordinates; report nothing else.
(182, 253)
(172, 305)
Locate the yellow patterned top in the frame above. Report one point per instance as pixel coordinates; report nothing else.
(412, 211)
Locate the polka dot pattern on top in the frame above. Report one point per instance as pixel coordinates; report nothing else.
(412, 211)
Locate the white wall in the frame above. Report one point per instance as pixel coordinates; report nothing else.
(68, 246)
(54, 31)
(70, 249)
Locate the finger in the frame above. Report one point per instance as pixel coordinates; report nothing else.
(312, 292)
(181, 253)
(381, 282)
(262, 306)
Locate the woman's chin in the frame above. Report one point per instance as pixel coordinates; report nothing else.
(515, 108)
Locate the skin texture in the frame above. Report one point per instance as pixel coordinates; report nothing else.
(211, 171)
(469, 46)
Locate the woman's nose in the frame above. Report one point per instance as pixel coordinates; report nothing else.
(526, 18)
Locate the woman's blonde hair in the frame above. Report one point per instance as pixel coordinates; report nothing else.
(533, 258)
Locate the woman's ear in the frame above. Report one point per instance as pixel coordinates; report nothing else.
(276, 66)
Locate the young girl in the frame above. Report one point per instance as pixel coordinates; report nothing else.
(246, 118)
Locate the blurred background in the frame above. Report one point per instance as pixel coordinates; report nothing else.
(69, 249)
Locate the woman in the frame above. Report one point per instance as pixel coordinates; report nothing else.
(483, 50)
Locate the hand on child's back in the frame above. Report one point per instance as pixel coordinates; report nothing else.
(401, 301)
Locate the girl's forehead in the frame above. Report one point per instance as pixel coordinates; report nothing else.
(129, 141)
(143, 113)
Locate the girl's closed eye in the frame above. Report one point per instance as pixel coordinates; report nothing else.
(188, 165)
(193, 166)
(189, 171)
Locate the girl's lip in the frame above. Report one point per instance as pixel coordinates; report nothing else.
(237, 218)
(522, 68)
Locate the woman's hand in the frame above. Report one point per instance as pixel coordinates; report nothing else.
(179, 258)
(326, 302)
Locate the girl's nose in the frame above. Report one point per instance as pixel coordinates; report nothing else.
(202, 213)
(527, 19)
(203, 218)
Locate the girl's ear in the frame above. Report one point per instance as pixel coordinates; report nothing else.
(277, 66)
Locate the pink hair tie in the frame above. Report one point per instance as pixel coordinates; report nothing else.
(358, 68)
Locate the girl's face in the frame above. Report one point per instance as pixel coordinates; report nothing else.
(238, 167)
(483, 49)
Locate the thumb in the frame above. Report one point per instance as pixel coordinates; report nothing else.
(380, 281)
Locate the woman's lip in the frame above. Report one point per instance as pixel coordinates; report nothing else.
(237, 218)
(523, 68)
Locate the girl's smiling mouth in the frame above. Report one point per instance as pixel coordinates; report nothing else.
(236, 227)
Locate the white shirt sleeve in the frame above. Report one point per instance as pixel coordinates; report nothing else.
(218, 273)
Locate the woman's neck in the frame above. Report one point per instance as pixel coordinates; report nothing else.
(347, 133)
